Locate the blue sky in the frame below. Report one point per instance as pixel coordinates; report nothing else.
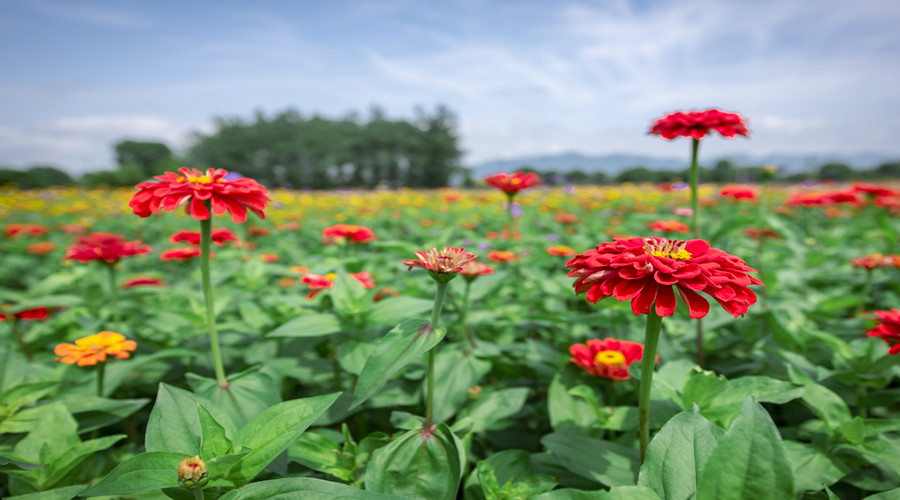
(524, 77)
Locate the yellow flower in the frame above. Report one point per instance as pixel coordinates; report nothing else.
(92, 349)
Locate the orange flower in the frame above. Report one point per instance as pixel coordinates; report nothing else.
(561, 250)
(347, 233)
(192, 473)
(565, 218)
(93, 349)
(317, 282)
(41, 247)
(214, 187)
(474, 269)
(269, 257)
(875, 260)
(669, 226)
(513, 183)
(609, 358)
(501, 255)
(443, 265)
(143, 280)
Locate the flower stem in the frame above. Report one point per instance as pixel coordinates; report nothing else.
(470, 339)
(113, 296)
(435, 317)
(205, 239)
(101, 371)
(654, 322)
(198, 494)
(695, 201)
(14, 323)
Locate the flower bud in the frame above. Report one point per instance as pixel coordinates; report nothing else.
(474, 392)
(192, 473)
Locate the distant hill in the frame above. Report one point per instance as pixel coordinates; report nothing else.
(614, 163)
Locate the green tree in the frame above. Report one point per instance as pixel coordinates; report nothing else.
(636, 175)
(49, 176)
(835, 172)
(150, 158)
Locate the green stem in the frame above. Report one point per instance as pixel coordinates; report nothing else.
(198, 494)
(14, 323)
(435, 317)
(866, 295)
(113, 296)
(205, 239)
(694, 177)
(470, 339)
(101, 371)
(654, 322)
(760, 239)
(512, 220)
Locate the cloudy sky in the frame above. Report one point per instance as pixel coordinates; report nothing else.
(525, 77)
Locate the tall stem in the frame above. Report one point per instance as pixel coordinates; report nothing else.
(435, 317)
(511, 229)
(695, 199)
(205, 239)
(101, 371)
(654, 322)
(470, 339)
(14, 323)
(113, 295)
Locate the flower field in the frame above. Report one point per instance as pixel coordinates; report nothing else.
(209, 338)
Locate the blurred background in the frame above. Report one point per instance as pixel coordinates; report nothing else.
(326, 94)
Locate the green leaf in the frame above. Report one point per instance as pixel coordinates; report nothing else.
(63, 464)
(495, 407)
(394, 310)
(8, 463)
(17, 396)
(147, 471)
(302, 487)
(677, 455)
(821, 400)
(322, 454)
(348, 296)
(248, 393)
(213, 439)
(54, 432)
(454, 374)
(116, 373)
(893, 494)
(309, 325)
(750, 461)
(64, 493)
(272, 431)
(406, 342)
(174, 424)
(813, 468)
(415, 464)
(604, 461)
(567, 410)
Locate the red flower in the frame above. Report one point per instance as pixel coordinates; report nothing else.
(669, 226)
(269, 257)
(34, 230)
(173, 189)
(644, 270)
(738, 192)
(181, 254)
(443, 265)
(143, 281)
(501, 255)
(876, 260)
(108, 247)
(874, 189)
(754, 233)
(609, 358)
(474, 269)
(513, 183)
(33, 314)
(696, 124)
(218, 236)
(41, 247)
(341, 233)
(888, 328)
(565, 218)
(317, 282)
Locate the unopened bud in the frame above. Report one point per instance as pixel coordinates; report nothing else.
(192, 473)
(474, 392)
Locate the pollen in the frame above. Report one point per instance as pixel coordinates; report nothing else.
(202, 179)
(610, 358)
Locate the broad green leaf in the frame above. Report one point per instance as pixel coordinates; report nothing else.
(418, 465)
(72, 457)
(213, 438)
(495, 407)
(574, 494)
(454, 374)
(884, 495)
(599, 460)
(728, 403)
(677, 455)
(116, 373)
(402, 345)
(309, 325)
(567, 410)
(147, 471)
(247, 395)
(349, 296)
(64, 493)
(352, 355)
(322, 454)
(510, 476)
(750, 461)
(54, 432)
(813, 468)
(821, 400)
(93, 413)
(174, 424)
(879, 451)
(17, 396)
(272, 431)
(701, 387)
(394, 310)
(8, 463)
(305, 488)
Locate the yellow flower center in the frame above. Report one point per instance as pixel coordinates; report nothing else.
(330, 276)
(610, 358)
(670, 249)
(202, 179)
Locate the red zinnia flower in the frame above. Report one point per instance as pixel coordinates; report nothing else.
(142, 280)
(218, 236)
(875, 260)
(609, 358)
(173, 189)
(669, 226)
(888, 329)
(738, 192)
(108, 247)
(443, 265)
(501, 255)
(13, 230)
(565, 218)
(696, 124)
(269, 257)
(33, 314)
(341, 233)
(474, 269)
(874, 189)
(41, 247)
(766, 233)
(513, 183)
(317, 282)
(644, 270)
(181, 254)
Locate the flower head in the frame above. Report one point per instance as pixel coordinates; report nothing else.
(876, 260)
(473, 269)
(196, 187)
(888, 329)
(41, 247)
(561, 251)
(94, 348)
(218, 236)
(738, 192)
(669, 226)
(443, 265)
(317, 282)
(501, 255)
(108, 247)
(645, 270)
(182, 254)
(347, 233)
(192, 473)
(513, 183)
(696, 124)
(609, 358)
(143, 280)
(13, 230)
(32, 314)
